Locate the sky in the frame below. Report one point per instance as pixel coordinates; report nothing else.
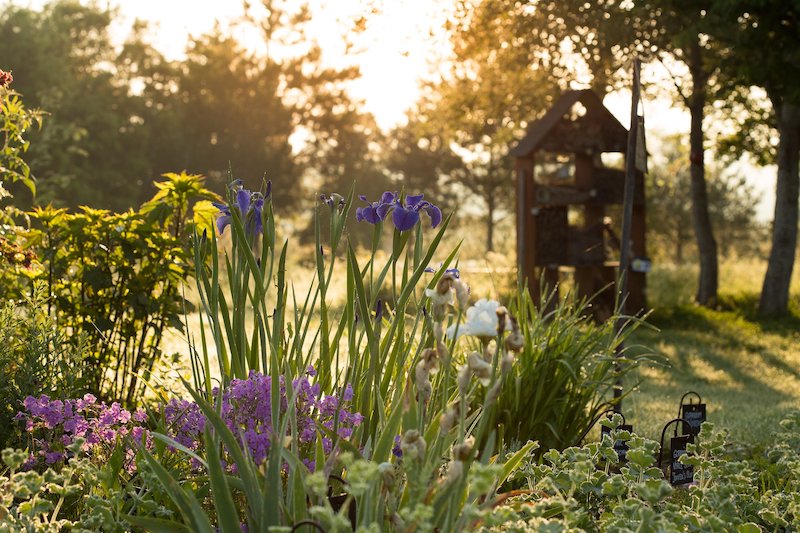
(400, 43)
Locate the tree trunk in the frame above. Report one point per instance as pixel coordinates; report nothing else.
(706, 245)
(775, 291)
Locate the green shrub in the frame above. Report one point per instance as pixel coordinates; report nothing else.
(587, 489)
(36, 358)
(114, 280)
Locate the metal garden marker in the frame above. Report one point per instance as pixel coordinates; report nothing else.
(693, 413)
(679, 474)
(620, 446)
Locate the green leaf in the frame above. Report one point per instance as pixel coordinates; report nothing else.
(227, 516)
(157, 525)
(189, 507)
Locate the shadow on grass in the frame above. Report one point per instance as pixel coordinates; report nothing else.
(745, 367)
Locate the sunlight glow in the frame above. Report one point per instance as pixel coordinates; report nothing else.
(394, 44)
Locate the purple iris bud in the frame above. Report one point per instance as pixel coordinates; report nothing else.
(269, 189)
(378, 310)
(430, 269)
(334, 200)
(396, 451)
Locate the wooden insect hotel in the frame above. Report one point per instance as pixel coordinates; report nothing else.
(568, 202)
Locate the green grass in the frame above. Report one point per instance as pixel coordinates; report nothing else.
(747, 370)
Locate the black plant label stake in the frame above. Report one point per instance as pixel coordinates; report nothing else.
(679, 474)
(695, 415)
(620, 446)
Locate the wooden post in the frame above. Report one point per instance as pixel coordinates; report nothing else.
(526, 230)
(627, 219)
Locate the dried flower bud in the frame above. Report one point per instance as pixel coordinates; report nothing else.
(449, 418)
(515, 341)
(455, 469)
(462, 293)
(479, 368)
(438, 332)
(502, 314)
(507, 363)
(494, 392)
(422, 376)
(464, 375)
(487, 352)
(413, 445)
(445, 283)
(443, 351)
(387, 474)
(430, 359)
(462, 451)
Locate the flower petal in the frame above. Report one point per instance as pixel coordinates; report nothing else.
(435, 213)
(383, 209)
(412, 201)
(388, 197)
(223, 208)
(222, 223)
(404, 219)
(367, 214)
(243, 200)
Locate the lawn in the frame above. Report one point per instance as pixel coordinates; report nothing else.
(747, 370)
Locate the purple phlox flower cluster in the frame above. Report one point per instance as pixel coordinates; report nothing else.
(405, 213)
(185, 422)
(249, 204)
(246, 410)
(55, 424)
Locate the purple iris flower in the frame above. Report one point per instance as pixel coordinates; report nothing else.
(249, 204)
(452, 271)
(406, 215)
(376, 212)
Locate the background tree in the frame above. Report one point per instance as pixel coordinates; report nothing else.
(468, 120)
(763, 52)
(62, 61)
(732, 206)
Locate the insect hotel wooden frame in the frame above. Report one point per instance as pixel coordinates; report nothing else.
(565, 195)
